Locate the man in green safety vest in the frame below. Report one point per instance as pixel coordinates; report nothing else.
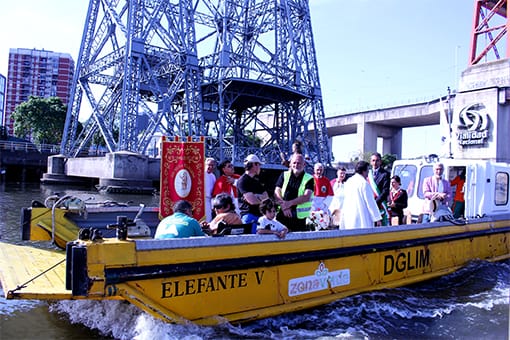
(294, 193)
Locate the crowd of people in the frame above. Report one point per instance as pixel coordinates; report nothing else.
(368, 198)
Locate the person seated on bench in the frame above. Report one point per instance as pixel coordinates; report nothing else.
(223, 205)
(179, 225)
(267, 223)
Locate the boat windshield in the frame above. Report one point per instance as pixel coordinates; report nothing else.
(501, 187)
(425, 171)
(407, 174)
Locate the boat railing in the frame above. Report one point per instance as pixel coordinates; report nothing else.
(70, 202)
(153, 244)
(192, 242)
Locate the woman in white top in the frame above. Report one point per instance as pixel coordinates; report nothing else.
(335, 207)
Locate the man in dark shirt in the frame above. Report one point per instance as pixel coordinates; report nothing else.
(293, 192)
(251, 192)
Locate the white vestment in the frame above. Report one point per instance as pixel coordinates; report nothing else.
(359, 207)
(210, 178)
(338, 199)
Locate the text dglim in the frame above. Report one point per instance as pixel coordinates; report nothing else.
(410, 260)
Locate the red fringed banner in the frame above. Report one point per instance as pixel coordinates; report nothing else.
(182, 176)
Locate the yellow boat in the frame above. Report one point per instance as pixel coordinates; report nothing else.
(240, 278)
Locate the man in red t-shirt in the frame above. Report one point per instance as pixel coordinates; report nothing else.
(227, 182)
(323, 192)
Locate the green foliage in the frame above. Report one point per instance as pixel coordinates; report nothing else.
(98, 140)
(362, 156)
(387, 160)
(247, 139)
(41, 118)
(251, 139)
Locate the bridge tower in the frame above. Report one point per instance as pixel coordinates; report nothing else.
(481, 114)
(490, 31)
(242, 73)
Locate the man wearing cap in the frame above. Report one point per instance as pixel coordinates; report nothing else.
(294, 192)
(251, 192)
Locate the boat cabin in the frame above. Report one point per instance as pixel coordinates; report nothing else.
(486, 189)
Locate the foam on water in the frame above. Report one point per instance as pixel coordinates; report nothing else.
(9, 307)
(444, 307)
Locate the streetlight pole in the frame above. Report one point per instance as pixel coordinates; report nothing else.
(449, 117)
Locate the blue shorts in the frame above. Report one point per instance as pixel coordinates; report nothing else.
(250, 218)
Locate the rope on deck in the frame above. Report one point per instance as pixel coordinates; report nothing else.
(23, 285)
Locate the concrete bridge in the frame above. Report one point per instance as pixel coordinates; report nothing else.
(387, 123)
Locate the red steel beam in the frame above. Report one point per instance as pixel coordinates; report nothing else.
(485, 13)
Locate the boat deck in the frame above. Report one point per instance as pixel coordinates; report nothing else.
(28, 276)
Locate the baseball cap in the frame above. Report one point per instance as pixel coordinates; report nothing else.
(252, 159)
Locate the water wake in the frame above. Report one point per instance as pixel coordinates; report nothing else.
(460, 305)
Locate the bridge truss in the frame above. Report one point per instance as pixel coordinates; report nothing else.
(490, 31)
(242, 73)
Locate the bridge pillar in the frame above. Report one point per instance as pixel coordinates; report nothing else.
(367, 137)
(367, 134)
(122, 171)
(393, 144)
(57, 173)
(56, 165)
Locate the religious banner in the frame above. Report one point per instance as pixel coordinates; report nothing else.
(182, 175)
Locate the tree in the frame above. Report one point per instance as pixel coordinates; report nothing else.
(361, 156)
(42, 119)
(387, 160)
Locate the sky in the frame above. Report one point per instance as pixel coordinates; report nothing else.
(370, 54)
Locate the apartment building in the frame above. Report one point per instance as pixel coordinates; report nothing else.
(3, 83)
(38, 73)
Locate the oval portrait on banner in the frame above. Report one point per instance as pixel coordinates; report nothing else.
(182, 183)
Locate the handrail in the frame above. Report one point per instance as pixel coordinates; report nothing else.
(80, 205)
(28, 146)
(55, 205)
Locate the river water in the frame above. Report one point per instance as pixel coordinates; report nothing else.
(472, 303)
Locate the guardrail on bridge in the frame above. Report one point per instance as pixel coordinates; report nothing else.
(29, 147)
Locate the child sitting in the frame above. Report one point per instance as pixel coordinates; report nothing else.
(267, 224)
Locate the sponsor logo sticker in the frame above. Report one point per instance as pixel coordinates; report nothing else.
(322, 279)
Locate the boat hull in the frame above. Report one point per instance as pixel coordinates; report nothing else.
(248, 277)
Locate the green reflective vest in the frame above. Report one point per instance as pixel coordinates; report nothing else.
(303, 209)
